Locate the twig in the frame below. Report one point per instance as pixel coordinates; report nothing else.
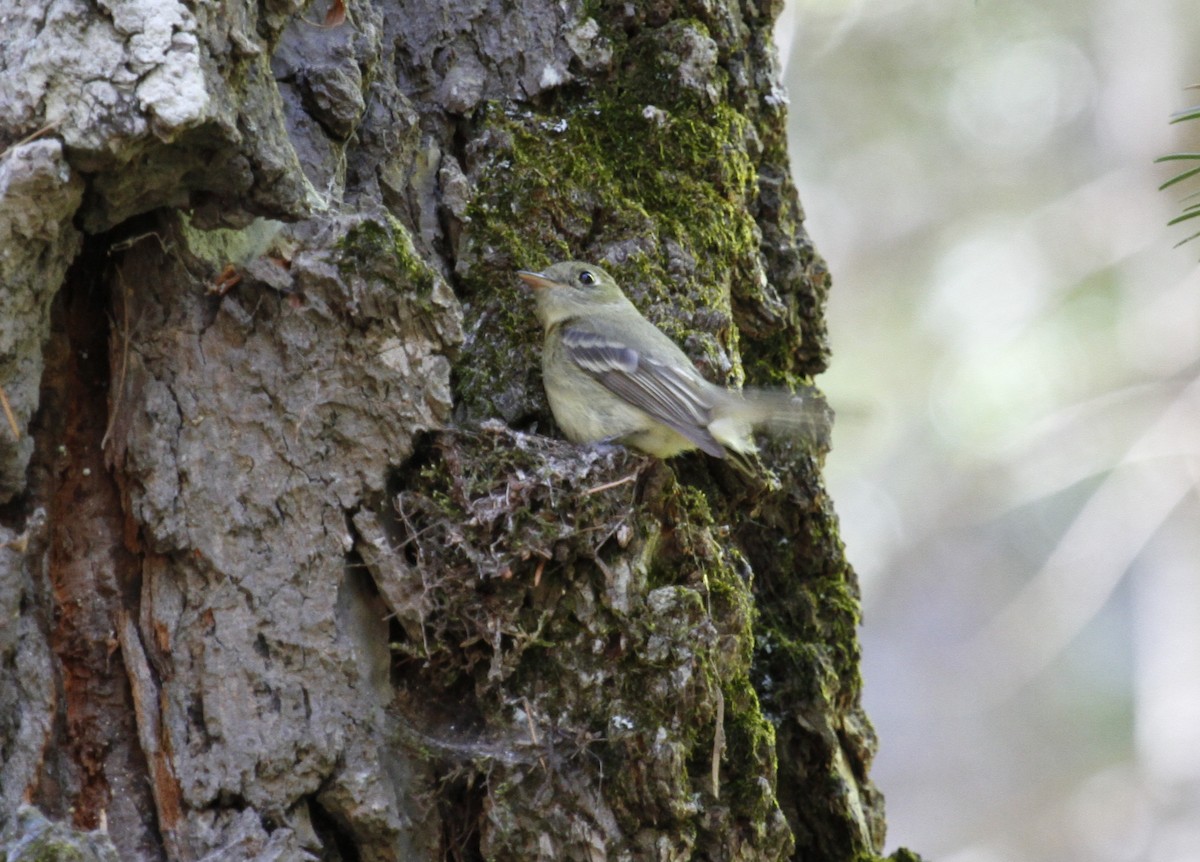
(613, 484)
(533, 737)
(718, 744)
(32, 136)
(8, 413)
(119, 394)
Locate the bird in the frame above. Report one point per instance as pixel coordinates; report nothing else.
(613, 376)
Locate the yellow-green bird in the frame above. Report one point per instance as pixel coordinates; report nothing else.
(610, 374)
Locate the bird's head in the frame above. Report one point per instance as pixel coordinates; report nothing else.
(571, 289)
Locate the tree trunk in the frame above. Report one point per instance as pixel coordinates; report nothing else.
(295, 565)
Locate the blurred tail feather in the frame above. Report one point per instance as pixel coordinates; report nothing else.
(803, 414)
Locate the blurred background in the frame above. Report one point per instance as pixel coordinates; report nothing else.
(1016, 369)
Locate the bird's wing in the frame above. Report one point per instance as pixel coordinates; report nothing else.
(673, 395)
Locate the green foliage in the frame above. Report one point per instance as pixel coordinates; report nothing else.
(1192, 210)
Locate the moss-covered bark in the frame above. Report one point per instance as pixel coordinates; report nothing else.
(299, 564)
(672, 171)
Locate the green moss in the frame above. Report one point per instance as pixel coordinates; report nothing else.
(677, 188)
(750, 738)
(364, 241)
(721, 571)
(903, 855)
(653, 169)
(383, 246)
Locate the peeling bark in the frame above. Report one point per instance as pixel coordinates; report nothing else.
(293, 564)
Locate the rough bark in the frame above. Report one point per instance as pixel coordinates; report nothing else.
(293, 564)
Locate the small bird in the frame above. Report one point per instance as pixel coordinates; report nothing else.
(610, 374)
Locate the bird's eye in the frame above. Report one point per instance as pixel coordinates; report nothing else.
(587, 278)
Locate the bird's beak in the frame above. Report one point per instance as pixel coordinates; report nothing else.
(536, 280)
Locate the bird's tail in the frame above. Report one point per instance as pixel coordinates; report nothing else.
(805, 415)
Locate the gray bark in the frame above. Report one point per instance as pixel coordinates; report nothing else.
(293, 565)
